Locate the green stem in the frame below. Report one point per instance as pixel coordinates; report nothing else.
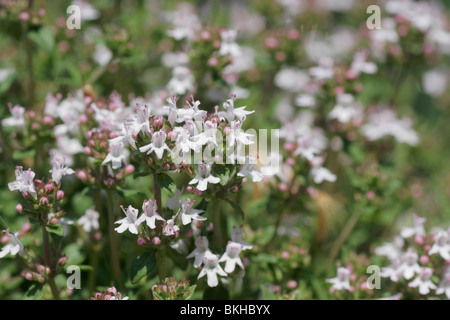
(115, 262)
(217, 240)
(161, 253)
(48, 263)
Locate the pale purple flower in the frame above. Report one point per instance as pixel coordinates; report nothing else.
(188, 213)
(204, 177)
(211, 269)
(59, 168)
(423, 281)
(231, 112)
(342, 281)
(248, 169)
(231, 256)
(149, 214)
(13, 247)
(17, 119)
(89, 221)
(441, 245)
(409, 265)
(236, 236)
(116, 154)
(201, 249)
(417, 230)
(158, 145)
(24, 182)
(170, 229)
(129, 222)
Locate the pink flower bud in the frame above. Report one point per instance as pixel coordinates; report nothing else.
(47, 120)
(49, 187)
(290, 161)
(83, 118)
(129, 169)
(213, 61)
(24, 16)
(103, 144)
(292, 284)
(419, 240)
(28, 276)
(285, 255)
(289, 146)
(226, 130)
(171, 135)
(141, 241)
(206, 35)
(59, 195)
(424, 259)
(164, 288)
(19, 208)
(293, 34)
(62, 261)
(244, 180)
(189, 189)
(353, 277)
(370, 195)
(87, 151)
(156, 241)
(271, 42)
(282, 187)
(82, 175)
(43, 201)
(35, 126)
(301, 251)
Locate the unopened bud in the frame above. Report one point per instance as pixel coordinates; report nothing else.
(156, 241)
(19, 208)
(59, 195)
(43, 201)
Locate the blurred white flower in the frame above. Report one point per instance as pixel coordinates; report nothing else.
(129, 222)
(89, 221)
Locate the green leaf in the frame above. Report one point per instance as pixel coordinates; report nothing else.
(35, 292)
(267, 295)
(191, 290)
(44, 39)
(236, 207)
(178, 259)
(216, 293)
(142, 265)
(156, 296)
(166, 182)
(142, 174)
(23, 154)
(55, 229)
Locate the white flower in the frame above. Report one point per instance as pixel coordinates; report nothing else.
(231, 256)
(409, 266)
(321, 174)
(392, 249)
(444, 286)
(435, 82)
(423, 281)
(90, 220)
(248, 169)
(129, 222)
(149, 214)
(116, 154)
(393, 271)
(102, 55)
(171, 228)
(158, 145)
(232, 112)
(201, 249)
(342, 281)
(17, 119)
(236, 236)
(182, 81)
(324, 70)
(441, 245)
(211, 269)
(417, 230)
(291, 79)
(360, 65)
(188, 213)
(24, 182)
(228, 45)
(88, 12)
(59, 168)
(238, 135)
(204, 177)
(346, 109)
(179, 246)
(141, 123)
(13, 247)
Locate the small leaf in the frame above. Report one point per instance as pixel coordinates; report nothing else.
(35, 292)
(191, 290)
(236, 207)
(23, 154)
(55, 229)
(166, 182)
(142, 265)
